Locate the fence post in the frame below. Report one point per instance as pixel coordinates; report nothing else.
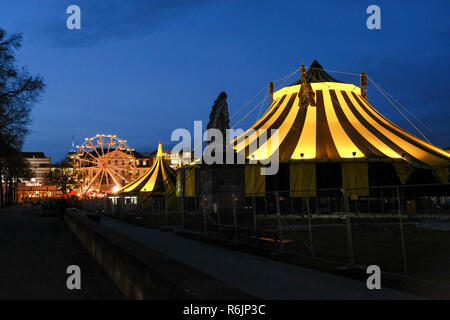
(329, 205)
(182, 212)
(309, 226)
(218, 211)
(346, 203)
(291, 202)
(204, 216)
(277, 203)
(265, 204)
(317, 204)
(165, 211)
(254, 219)
(405, 268)
(348, 225)
(236, 238)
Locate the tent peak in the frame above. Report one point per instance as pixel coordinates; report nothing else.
(316, 65)
(315, 74)
(160, 152)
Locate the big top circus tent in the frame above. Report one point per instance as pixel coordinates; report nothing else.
(329, 135)
(158, 182)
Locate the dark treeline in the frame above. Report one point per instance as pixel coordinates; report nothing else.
(18, 92)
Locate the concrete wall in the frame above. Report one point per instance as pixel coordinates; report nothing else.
(142, 273)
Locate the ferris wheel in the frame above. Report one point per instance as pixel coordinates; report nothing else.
(103, 163)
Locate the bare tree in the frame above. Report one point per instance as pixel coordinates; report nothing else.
(14, 169)
(18, 92)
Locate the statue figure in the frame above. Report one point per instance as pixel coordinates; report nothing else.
(219, 118)
(306, 94)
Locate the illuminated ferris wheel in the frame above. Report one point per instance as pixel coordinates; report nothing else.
(103, 164)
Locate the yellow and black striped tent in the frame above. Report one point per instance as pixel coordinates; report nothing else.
(335, 122)
(158, 181)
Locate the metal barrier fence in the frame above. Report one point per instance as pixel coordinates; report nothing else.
(403, 229)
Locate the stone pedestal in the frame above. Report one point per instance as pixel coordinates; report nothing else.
(219, 182)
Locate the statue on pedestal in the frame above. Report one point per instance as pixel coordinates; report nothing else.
(219, 118)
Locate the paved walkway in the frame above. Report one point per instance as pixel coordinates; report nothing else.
(35, 252)
(257, 276)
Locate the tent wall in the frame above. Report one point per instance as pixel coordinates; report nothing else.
(180, 183)
(442, 174)
(190, 182)
(303, 179)
(382, 174)
(422, 176)
(255, 183)
(328, 175)
(280, 180)
(404, 171)
(355, 178)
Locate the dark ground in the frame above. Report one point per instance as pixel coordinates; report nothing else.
(35, 252)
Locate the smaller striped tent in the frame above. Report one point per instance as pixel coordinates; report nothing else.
(158, 181)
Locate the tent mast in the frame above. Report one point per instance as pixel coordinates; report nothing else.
(364, 90)
(271, 91)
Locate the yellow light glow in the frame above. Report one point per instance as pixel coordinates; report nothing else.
(305, 147)
(115, 189)
(284, 129)
(307, 143)
(362, 129)
(318, 86)
(343, 143)
(266, 126)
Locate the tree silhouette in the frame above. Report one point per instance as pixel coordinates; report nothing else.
(18, 92)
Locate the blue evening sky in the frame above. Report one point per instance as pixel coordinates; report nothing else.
(140, 68)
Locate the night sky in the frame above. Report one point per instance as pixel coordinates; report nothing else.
(140, 69)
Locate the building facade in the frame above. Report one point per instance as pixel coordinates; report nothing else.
(40, 165)
(174, 159)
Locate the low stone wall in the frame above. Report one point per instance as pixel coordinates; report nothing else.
(142, 273)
